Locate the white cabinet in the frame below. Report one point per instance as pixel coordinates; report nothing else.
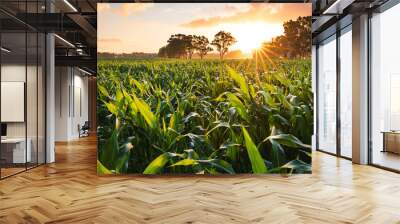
(19, 155)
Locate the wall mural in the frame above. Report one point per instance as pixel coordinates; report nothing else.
(204, 88)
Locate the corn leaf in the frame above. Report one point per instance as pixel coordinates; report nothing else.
(102, 170)
(224, 165)
(112, 108)
(109, 151)
(185, 162)
(123, 157)
(257, 162)
(157, 165)
(287, 140)
(103, 90)
(145, 111)
(240, 80)
(238, 105)
(299, 166)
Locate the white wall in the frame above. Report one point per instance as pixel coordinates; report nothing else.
(80, 100)
(62, 81)
(16, 73)
(70, 83)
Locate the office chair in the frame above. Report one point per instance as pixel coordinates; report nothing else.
(84, 130)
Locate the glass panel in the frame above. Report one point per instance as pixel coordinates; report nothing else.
(31, 88)
(41, 98)
(346, 93)
(385, 89)
(327, 95)
(31, 97)
(22, 88)
(13, 86)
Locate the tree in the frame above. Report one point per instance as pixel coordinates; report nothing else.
(177, 46)
(201, 44)
(222, 41)
(162, 52)
(190, 45)
(298, 35)
(277, 47)
(295, 42)
(305, 35)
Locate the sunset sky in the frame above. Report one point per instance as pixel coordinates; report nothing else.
(145, 27)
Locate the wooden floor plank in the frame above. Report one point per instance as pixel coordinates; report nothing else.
(69, 191)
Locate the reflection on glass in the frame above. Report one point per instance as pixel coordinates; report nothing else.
(41, 99)
(22, 90)
(31, 97)
(385, 89)
(14, 153)
(346, 93)
(327, 95)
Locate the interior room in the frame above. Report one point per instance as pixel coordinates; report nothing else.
(385, 87)
(29, 101)
(49, 139)
(22, 103)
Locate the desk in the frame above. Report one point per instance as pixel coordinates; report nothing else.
(15, 148)
(391, 141)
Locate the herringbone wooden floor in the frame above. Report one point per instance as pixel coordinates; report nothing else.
(70, 192)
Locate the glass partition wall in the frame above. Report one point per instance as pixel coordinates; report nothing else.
(334, 94)
(385, 89)
(334, 105)
(22, 98)
(327, 95)
(345, 90)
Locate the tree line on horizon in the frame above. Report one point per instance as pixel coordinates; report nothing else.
(185, 46)
(294, 43)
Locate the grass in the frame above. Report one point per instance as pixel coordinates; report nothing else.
(204, 116)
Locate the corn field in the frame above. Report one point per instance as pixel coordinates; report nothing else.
(170, 116)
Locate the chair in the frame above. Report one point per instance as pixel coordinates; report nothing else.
(84, 130)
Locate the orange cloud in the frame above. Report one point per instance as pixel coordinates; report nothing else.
(124, 9)
(129, 8)
(268, 12)
(103, 7)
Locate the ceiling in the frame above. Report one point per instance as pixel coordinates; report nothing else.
(332, 15)
(73, 21)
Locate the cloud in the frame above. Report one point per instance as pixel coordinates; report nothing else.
(110, 40)
(103, 7)
(268, 12)
(230, 8)
(124, 9)
(109, 44)
(129, 8)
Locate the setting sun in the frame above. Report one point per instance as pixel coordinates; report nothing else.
(250, 36)
(247, 45)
